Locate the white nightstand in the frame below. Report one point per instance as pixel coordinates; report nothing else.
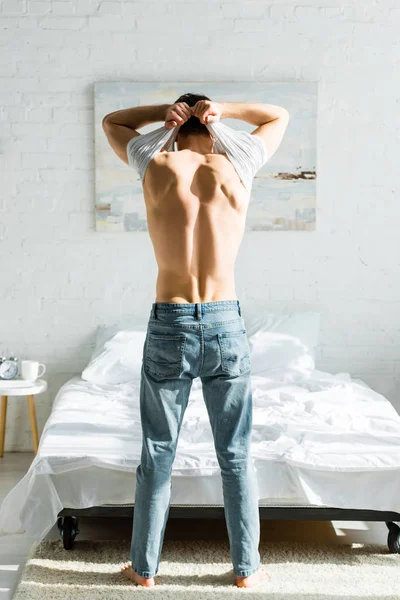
(40, 385)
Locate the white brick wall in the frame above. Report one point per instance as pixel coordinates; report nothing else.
(61, 278)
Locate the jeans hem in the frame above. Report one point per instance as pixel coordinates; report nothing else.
(246, 572)
(147, 574)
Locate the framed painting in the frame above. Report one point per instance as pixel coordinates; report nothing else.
(283, 193)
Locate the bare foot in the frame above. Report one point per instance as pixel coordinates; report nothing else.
(135, 577)
(253, 579)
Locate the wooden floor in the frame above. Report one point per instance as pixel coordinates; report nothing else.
(13, 550)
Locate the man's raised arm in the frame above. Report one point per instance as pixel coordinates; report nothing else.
(120, 126)
(138, 116)
(271, 120)
(255, 113)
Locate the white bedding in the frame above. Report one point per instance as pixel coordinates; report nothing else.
(328, 440)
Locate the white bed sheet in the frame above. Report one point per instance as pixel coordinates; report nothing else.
(328, 440)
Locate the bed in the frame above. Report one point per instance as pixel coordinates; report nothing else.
(324, 446)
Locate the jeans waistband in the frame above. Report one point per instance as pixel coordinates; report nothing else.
(196, 309)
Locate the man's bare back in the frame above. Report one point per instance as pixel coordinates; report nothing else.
(196, 203)
(196, 210)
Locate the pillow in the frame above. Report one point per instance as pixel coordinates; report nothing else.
(283, 346)
(118, 360)
(106, 332)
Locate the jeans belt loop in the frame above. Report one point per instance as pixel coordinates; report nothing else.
(155, 310)
(238, 305)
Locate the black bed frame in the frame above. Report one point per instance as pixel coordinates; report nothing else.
(67, 519)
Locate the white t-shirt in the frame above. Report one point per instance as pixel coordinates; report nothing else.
(246, 152)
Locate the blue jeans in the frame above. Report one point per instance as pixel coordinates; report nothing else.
(184, 341)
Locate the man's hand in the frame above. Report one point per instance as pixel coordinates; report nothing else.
(207, 111)
(177, 114)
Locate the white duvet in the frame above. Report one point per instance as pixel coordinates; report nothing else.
(326, 440)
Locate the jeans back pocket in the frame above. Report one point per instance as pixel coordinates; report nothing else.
(164, 355)
(235, 352)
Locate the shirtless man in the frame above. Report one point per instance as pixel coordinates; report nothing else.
(196, 208)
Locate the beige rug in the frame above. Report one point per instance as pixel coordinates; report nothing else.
(196, 570)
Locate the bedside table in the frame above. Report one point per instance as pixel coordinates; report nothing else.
(31, 388)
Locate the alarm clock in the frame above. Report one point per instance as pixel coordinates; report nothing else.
(8, 368)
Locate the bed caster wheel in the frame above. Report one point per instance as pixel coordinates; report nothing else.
(68, 528)
(393, 538)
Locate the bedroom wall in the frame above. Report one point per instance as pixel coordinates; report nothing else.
(60, 278)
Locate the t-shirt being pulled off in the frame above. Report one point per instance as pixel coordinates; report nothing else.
(246, 152)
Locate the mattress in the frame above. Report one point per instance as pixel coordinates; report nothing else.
(326, 440)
